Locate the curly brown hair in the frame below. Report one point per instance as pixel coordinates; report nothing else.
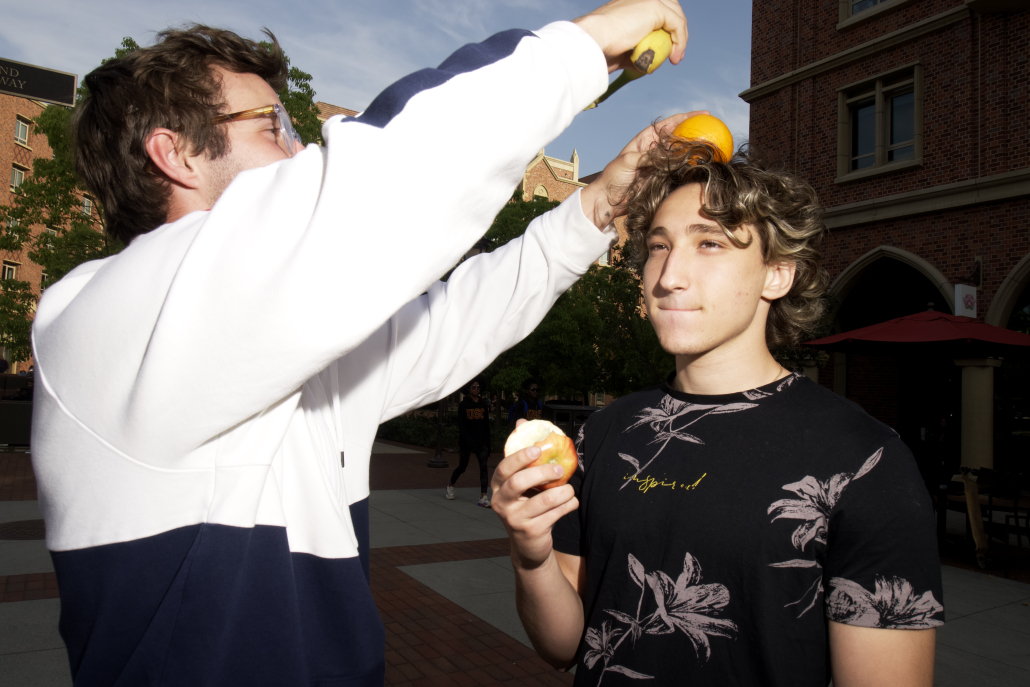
(171, 85)
(781, 208)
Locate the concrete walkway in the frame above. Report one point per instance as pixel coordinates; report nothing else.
(986, 640)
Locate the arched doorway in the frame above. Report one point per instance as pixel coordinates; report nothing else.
(1010, 308)
(911, 391)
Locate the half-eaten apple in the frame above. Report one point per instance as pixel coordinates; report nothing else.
(557, 449)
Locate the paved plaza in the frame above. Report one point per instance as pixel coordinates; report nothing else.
(444, 587)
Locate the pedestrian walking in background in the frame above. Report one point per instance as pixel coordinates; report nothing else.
(473, 437)
(528, 407)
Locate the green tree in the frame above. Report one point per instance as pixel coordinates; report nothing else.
(298, 97)
(596, 337)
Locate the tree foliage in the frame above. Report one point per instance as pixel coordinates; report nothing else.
(596, 337)
(298, 97)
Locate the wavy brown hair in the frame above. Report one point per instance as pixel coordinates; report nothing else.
(170, 85)
(782, 209)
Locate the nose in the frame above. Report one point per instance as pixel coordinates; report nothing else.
(675, 272)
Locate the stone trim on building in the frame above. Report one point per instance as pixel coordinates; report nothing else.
(960, 194)
(847, 279)
(856, 53)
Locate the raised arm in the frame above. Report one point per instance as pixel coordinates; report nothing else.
(298, 262)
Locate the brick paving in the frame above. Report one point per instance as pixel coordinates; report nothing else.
(433, 641)
(17, 482)
(28, 587)
(23, 530)
(409, 471)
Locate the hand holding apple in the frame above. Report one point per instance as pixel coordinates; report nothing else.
(527, 512)
(555, 448)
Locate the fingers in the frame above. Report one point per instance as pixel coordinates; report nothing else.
(513, 463)
(669, 123)
(529, 478)
(677, 29)
(548, 500)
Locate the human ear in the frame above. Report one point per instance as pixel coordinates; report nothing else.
(779, 277)
(163, 149)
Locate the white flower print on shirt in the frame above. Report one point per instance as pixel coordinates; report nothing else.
(663, 418)
(816, 501)
(685, 605)
(894, 604)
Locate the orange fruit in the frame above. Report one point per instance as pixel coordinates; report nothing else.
(710, 129)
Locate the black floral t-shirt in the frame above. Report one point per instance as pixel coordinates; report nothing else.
(720, 532)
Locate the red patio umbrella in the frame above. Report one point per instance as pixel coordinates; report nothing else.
(928, 327)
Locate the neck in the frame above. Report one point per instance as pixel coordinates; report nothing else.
(474, 397)
(735, 366)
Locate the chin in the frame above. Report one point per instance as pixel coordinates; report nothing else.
(681, 343)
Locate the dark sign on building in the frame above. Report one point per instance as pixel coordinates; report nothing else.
(37, 83)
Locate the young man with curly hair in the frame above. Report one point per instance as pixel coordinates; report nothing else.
(223, 538)
(740, 525)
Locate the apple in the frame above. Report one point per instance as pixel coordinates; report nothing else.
(557, 449)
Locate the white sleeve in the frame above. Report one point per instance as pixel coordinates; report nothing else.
(211, 320)
(490, 302)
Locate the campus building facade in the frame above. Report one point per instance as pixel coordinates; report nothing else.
(20, 144)
(911, 119)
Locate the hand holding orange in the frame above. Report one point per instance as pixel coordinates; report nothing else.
(710, 130)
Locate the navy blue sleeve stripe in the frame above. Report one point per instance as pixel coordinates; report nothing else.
(466, 59)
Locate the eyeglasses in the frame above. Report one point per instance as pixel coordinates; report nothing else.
(532, 388)
(474, 386)
(289, 135)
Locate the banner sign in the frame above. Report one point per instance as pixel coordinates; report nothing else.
(965, 300)
(37, 83)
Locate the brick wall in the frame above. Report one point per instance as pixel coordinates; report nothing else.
(11, 107)
(965, 137)
(540, 173)
(976, 123)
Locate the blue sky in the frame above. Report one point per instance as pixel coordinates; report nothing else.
(355, 48)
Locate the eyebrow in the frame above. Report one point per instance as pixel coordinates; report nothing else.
(691, 229)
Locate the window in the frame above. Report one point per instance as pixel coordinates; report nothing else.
(853, 12)
(599, 398)
(605, 259)
(540, 192)
(17, 176)
(44, 281)
(10, 270)
(50, 233)
(880, 124)
(87, 206)
(859, 5)
(21, 131)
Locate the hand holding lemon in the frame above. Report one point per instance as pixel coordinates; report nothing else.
(648, 56)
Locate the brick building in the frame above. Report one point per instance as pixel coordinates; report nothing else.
(911, 118)
(19, 146)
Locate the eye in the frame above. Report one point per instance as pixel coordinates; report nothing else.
(709, 243)
(656, 246)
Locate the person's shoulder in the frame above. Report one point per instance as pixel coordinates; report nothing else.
(836, 415)
(629, 405)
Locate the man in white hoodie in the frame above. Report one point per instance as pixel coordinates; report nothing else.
(224, 539)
